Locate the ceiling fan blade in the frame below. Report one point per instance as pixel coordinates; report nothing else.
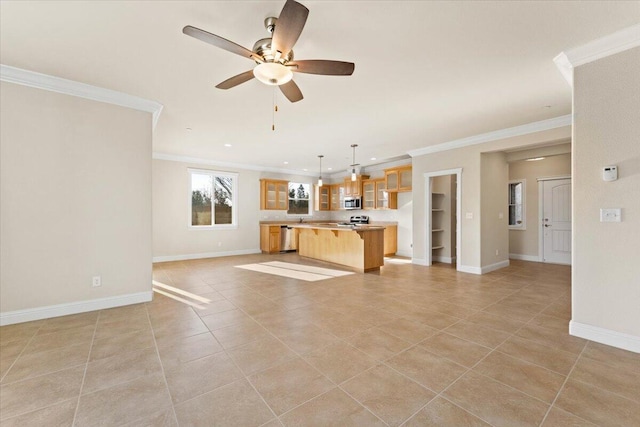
(289, 26)
(218, 41)
(236, 80)
(291, 91)
(321, 66)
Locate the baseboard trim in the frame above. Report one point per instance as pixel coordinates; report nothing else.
(418, 261)
(494, 267)
(522, 257)
(469, 269)
(46, 312)
(445, 259)
(187, 257)
(605, 336)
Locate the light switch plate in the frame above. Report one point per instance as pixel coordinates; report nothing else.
(610, 215)
(469, 215)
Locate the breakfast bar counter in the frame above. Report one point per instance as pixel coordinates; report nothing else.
(360, 247)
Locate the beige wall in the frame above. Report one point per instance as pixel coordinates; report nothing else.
(606, 271)
(525, 242)
(494, 220)
(172, 237)
(467, 158)
(75, 199)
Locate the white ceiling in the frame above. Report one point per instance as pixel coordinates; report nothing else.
(426, 72)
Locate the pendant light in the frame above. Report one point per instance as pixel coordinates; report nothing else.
(354, 164)
(320, 177)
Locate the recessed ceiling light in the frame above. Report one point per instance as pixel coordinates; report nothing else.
(286, 163)
(227, 145)
(189, 129)
(329, 169)
(534, 159)
(304, 170)
(373, 158)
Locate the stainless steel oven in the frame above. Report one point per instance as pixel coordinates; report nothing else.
(353, 202)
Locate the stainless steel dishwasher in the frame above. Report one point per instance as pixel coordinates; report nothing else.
(286, 238)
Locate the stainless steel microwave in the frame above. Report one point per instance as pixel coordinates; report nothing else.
(353, 202)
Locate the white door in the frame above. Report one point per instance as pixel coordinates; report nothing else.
(556, 221)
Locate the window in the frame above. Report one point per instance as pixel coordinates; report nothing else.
(213, 195)
(299, 199)
(516, 205)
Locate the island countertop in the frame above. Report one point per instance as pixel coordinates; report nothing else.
(335, 226)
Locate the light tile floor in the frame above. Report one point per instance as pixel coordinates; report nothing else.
(409, 345)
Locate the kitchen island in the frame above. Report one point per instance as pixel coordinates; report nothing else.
(359, 247)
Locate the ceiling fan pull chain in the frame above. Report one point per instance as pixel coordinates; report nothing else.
(275, 110)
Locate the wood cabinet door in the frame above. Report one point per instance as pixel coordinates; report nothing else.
(391, 180)
(283, 195)
(322, 202)
(368, 194)
(404, 179)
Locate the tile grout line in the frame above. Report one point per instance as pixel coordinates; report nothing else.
(21, 353)
(301, 356)
(563, 385)
(441, 394)
(86, 368)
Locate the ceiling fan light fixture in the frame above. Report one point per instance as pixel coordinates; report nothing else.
(272, 73)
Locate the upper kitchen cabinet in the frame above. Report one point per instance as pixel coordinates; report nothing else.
(385, 199)
(322, 200)
(274, 194)
(376, 196)
(398, 179)
(337, 197)
(354, 188)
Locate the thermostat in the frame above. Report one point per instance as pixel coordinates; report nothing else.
(609, 173)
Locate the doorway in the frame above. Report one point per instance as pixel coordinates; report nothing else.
(442, 226)
(555, 224)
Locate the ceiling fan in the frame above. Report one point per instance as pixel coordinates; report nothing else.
(274, 55)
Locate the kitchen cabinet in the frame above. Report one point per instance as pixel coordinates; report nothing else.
(270, 238)
(354, 188)
(322, 200)
(369, 194)
(398, 179)
(376, 196)
(274, 194)
(390, 240)
(384, 199)
(337, 197)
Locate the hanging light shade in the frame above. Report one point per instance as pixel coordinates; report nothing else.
(320, 177)
(354, 164)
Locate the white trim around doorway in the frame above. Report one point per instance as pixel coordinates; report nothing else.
(427, 243)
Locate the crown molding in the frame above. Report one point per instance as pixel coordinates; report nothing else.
(202, 161)
(556, 122)
(611, 44)
(82, 90)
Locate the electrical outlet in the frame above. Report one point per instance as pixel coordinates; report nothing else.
(497, 252)
(96, 281)
(219, 244)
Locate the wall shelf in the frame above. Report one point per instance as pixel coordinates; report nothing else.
(436, 230)
(437, 247)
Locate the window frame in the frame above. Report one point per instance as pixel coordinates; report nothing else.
(310, 209)
(234, 194)
(523, 225)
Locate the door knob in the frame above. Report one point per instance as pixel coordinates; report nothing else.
(547, 225)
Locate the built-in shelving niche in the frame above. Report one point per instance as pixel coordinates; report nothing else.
(443, 219)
